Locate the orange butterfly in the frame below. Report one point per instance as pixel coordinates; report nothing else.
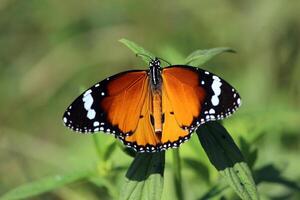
(155, 109)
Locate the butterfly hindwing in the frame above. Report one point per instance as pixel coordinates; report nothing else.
(144, 138)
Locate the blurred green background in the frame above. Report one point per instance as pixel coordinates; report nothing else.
(51, 50)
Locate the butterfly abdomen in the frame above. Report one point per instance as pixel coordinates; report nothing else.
(157, 111)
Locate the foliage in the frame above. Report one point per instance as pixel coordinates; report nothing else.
(144, 178)
(50, 50)
(44, 185)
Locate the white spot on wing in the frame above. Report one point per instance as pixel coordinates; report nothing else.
(216, 87)
(96, 123)
(212, 111)
(65, 120)
(88, 102)
(87, 92)
(91, 114)
(239, 101)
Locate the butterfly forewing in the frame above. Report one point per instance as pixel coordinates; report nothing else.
(112, 105)
(205, 96)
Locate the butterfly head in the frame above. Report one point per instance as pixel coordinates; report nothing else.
(155, 73)
(154, 63)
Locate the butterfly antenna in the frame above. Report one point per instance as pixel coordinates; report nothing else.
(165, 61)
(144, 55)
(147, 56)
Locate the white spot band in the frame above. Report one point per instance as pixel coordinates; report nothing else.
(216, 87)
(88, 102)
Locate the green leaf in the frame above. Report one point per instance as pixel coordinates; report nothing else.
(249, 153)
(44, 185)
(199, 168)
(224, 154)
(200, 57)
(138, 50)
(271, 174)
(144, 178)
(177, 174)
(103, 182)
(109, 150)
(214, 191)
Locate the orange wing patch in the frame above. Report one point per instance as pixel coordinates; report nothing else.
(184, 93)
(182, 99)
(144, 135)
(125, 100)
(171, 128)
(129, 105)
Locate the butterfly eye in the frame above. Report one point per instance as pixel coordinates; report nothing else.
(157, 62)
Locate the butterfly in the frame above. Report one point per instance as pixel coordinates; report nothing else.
(153, 110)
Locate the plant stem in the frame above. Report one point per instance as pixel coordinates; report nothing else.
(97, 145)
(177, 174)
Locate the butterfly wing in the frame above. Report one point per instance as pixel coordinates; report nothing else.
(123, 105)
(191, 97)
(144, 137)
(112, 105)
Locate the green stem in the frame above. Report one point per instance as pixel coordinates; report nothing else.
(177, 174)
(97, 145)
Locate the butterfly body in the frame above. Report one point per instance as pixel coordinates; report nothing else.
(156, 118)
(153, 110)
(155, 74)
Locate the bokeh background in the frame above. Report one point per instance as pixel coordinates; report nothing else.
(51, 50)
